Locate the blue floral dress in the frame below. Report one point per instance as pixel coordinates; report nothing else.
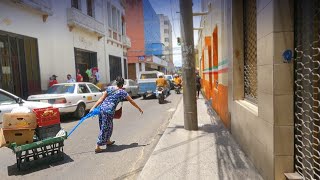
(107, 110)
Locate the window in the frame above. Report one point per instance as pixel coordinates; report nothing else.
(119, 21)
(90, 8)
(4, 99)
(61, 89)
(166, 30)
(75, 4)
(166, 39)
(250, 50)
(109, 15)
(114, 18)
(166, 22)
(93, 88)
(83, 89)
(149, 76)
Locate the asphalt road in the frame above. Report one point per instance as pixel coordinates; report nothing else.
(136, 136)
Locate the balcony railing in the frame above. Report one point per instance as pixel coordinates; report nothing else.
(126, 41)
(77, 19)
(44, 7)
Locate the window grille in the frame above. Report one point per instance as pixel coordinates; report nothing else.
(250, 50)
(307, 92)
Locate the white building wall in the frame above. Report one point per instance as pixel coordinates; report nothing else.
(55, 41)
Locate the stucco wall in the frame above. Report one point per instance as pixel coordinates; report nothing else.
(265, 130)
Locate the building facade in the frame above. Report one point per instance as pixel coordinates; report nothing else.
(143, 27)
(166, 39)
(45, 37)
(259, 62)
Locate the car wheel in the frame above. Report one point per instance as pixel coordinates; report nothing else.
(81, 111)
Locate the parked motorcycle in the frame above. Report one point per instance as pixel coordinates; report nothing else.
(160, 93)
(177, 88)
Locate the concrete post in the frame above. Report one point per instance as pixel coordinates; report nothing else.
(188, 66)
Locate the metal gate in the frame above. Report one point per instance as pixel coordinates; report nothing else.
(307, 88)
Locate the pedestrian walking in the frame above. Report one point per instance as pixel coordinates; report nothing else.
(108, 103)
(198, 84)
(70, 79)
(53, 80)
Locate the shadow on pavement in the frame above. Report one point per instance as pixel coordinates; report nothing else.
(37, 166)
(117, 148)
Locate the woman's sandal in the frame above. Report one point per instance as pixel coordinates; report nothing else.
(109, 144)
(98, 150)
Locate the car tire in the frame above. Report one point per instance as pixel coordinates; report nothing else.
(81, 111)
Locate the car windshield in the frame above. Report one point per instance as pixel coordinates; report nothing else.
(169, 77)
(149, 76)
(61, 89)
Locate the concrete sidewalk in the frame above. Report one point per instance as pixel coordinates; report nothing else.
(209, 153)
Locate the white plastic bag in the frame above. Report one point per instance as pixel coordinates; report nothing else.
(20, 109)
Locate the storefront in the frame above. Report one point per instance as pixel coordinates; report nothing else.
(85, 61)
(19, 61)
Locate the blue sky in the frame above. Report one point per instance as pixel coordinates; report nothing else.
(170, 8)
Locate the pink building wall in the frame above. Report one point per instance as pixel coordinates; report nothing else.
(135, 29)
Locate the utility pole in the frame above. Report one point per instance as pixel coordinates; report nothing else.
(188, 66)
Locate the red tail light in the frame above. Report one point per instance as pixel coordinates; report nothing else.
(60, 101)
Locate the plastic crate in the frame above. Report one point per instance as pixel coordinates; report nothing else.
(47, 131)
(47, 116)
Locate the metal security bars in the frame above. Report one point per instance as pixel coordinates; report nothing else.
(307, 91)
(250, 49)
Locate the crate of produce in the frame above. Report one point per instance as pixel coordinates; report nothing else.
(20, 136)
(47, 116)
(19, 121)
(47, 131)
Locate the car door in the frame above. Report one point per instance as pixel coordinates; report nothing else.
(7, 103)
(95, 91)
(85, 95)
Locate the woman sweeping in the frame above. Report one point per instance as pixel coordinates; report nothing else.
(109, 101)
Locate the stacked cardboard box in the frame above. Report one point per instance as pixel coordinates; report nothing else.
(18, 128)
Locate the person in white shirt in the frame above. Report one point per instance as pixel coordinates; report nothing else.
(70, 79)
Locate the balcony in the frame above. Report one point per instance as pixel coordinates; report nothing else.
(77, 19)
(41, 6)
(126, 41)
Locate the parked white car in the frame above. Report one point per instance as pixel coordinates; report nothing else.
(70, 97)
(130, 86)
(9, 101)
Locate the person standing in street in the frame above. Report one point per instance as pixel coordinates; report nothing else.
(198, 84)
(53, 80)
(108, 103)
(70, 79)
(79, 76)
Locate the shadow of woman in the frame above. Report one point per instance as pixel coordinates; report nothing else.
(117, 148)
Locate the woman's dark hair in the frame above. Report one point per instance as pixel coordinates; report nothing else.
(120, 81)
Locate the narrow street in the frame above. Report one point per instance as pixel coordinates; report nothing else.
(136, 136)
